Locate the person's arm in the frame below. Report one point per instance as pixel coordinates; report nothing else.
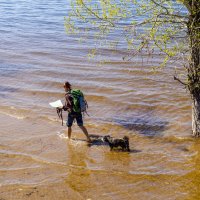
(68, 104)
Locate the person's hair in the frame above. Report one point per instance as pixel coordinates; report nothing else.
(67, 85)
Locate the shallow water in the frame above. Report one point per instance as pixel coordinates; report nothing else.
(125, 98)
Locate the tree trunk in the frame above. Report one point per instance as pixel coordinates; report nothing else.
(194, 69)
(196, 117)
(195, 91)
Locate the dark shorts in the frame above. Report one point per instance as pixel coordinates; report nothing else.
(74, 116)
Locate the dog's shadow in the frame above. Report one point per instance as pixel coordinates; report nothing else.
(97, 140)
(123, 151)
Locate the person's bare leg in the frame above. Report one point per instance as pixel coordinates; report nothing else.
(85, 132)
(69, 132)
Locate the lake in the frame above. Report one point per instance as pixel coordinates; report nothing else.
(124, 97)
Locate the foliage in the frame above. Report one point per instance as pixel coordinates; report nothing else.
(141, 24)
(144, 27)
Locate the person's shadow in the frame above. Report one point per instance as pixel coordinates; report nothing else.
(97, 140)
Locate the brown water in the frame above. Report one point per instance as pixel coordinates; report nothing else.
(125, 98)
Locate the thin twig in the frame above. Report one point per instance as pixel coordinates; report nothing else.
(177, 79)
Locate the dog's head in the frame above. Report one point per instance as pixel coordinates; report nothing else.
(107, 138)
(126, 138)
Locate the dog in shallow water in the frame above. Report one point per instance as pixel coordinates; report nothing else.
(115, 143)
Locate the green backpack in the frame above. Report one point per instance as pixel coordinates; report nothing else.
(79, 103)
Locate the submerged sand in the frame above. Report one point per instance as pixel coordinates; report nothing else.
(36, 163)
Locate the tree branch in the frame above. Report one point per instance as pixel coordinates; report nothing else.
(163, 7)
(177, 79)
(97, 16)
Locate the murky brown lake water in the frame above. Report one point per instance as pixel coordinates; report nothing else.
(125, 98)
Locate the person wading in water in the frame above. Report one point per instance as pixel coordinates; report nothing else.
(73, 115)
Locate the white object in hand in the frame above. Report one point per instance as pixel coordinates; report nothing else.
(56, 104)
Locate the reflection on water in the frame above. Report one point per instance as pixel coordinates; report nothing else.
(125, 98)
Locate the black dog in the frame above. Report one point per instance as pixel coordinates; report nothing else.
(123, 142)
